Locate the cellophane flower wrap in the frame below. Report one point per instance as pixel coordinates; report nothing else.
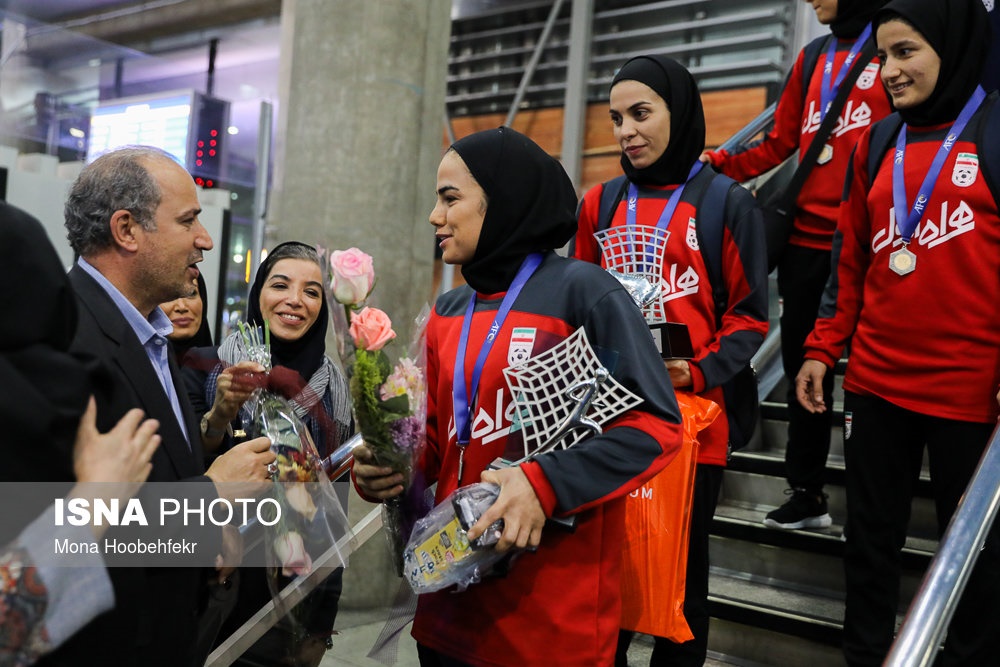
(388, 390)
(311, 518)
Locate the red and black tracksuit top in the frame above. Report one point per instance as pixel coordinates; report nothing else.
(796, 119)
(928, 341)
(720, 351)
(562, 602)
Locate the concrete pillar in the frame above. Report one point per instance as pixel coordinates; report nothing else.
(357, 143)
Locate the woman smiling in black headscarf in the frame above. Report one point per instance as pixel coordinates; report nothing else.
(287, 294)
(503, 206)
(919, 251)
(660, 125)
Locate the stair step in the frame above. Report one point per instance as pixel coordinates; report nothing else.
(741, 523)
(732, 643)
(764, 492)
(807, 615)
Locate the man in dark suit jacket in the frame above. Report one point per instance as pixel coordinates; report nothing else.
(132, 218)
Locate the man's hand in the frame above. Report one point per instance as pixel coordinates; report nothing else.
(809, 386)
(379, 482)
(243, 469)
(517, 505)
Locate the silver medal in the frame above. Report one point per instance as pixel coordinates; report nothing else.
(902, 261)
(825, 155)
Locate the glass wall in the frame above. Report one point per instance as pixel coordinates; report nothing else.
(51, 81)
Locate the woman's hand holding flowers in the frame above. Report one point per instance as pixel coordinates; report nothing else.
(377, 482)
(235, 386)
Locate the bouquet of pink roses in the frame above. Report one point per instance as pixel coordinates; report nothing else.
(389, 397)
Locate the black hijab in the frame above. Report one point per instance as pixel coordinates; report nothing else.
(671, 81)
(304, 355)
(959, 32)
(853, 16)
(203, 336)
(531, 204)
(45, 388)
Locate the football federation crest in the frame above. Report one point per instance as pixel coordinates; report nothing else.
(848, 422)
(966, 169)
(868, 76)
(692, 235)
(522, 340)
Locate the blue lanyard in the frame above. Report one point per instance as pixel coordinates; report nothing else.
(828, 92)
(907, 223)
(460, 394)
(665, 216)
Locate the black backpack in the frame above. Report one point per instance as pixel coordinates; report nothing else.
(740, 391)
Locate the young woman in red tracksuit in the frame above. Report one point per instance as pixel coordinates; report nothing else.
(805, 264)
(659, 122)
(503, 206)
(915, 289)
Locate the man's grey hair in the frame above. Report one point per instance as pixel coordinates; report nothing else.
(118, 180)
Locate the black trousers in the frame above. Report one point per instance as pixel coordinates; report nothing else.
(884, 449)
(707, 484)
(802, 275)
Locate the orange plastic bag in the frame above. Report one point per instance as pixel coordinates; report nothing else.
(657, 527)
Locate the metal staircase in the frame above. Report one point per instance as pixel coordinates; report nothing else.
(777, 596)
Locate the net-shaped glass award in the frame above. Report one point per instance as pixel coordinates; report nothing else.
(564, 395)
(637, 251)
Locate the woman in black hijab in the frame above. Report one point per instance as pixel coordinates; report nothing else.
(919, 205)
(293, 303)
(287, 294)
(659, 122)
(503, 206)
(190, 320)
(960, 35)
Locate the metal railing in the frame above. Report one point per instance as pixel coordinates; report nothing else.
(930, 612)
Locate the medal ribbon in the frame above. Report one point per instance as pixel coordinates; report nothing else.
(827, 92)
(461, 404)
(665, 215)
(907, 222)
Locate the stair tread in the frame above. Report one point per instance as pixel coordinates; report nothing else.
(750, 520)
(807, 606)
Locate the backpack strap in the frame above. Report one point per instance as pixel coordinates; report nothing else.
(986, 142)
(883, 134)
(810, 58)
(711, 222)
(611, 193)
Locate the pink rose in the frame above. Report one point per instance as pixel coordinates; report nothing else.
(371, 329)
(292, 553)
(353, 276)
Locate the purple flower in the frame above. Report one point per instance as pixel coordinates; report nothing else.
(407, 432)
